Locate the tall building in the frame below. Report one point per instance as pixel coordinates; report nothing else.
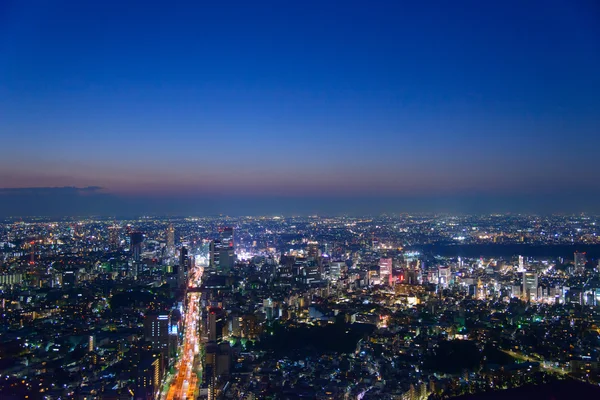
(216, 324)
(530, 285)
(148, 377)
(313, 250)
(226, 237)
(156, 331)
(184, 260)
(385, 270)
(222, 255)
(136, 239)
(170, 239)
(211, 352)
(91, 343)
(521, 263)
(580, 261)
(444, 276)
(113, 236)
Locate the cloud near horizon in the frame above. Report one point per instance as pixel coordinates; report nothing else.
(95, 200)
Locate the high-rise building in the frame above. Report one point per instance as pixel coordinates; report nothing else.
(211, 352)
(521, 263)
(313, 250)
(170, 239)
(184, 260)
(580, 261)
(148, 377)
(91, 343)
(222, 254)
(216, 324)
(530, 285)
(113, 236)
(135, 247)
(444, 276)
(156, 331)
(226, 237)
(385, 270)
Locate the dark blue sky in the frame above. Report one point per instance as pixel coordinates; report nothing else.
(356, 102)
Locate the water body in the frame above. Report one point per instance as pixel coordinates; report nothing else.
(510, 250)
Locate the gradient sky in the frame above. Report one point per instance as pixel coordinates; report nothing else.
(360, 102)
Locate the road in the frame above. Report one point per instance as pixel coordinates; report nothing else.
(543, 364)
(185, 384)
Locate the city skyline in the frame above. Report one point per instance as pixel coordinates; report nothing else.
(309, 108)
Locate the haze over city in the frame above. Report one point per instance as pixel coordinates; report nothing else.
(115, 108)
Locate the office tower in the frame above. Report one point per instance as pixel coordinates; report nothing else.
(580, 261)
(385, 270)
(148, 376)
(136, 239)
(222, 256)
(530, 285)
(113, 236)
(215, 253)
(335, 270)
(210, 369)
(310, 274)
(313, 250)
(444, 276)
(156, 331)
(91, 343)
(268, 308)
(170, 239)
(69, 278)
(184, 260)
(226, 237)
(216, 324)
(521, 263)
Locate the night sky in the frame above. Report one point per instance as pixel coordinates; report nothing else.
(114, 107)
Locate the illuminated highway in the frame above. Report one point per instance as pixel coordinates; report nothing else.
(185, 384)
(548, 366)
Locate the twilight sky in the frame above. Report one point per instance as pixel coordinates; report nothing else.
(299, 106)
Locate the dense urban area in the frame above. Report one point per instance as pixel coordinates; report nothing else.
(408, 307)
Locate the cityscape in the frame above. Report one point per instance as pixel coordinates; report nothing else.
(395, 307)
(304, 200)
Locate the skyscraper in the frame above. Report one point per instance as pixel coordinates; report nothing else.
(226, 237)
(156, 331)
(313, 250)
(530, 285)
(385, 270)
(444, 275)
(216, 323)
(170, 239)
(222, 251)
(135, 247)
(113, 236)
(580, 261)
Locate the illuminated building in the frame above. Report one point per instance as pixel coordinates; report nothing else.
(226, 237)
(184, 264)
(444, 276)
(313, 250)
(170, 239)
(156, 331)
(113, 236)
(530, 285)
(91, 343)
(521, 264)
(580, 261)
(385, 270)
(216, 324)
(135, 247)
(149, 375)
(222, 254)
